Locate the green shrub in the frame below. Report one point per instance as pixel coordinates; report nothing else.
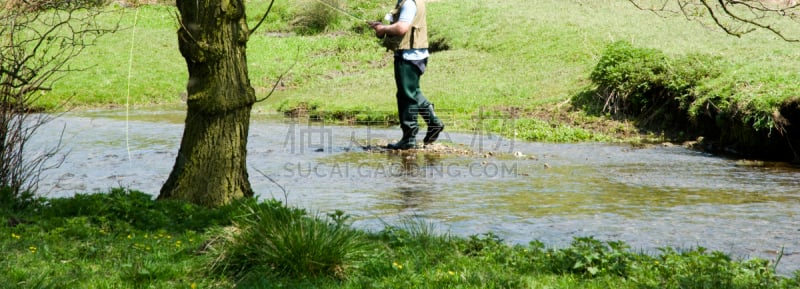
(693, 95)
(697, 268)
(477, 245)
(645, 82)
(18, 203)
(591, 257)
(628, 74)
(270, 238)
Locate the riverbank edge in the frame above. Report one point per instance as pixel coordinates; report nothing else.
(732, 137)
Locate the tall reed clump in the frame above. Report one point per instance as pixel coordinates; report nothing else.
(270, 238)
(317, 16)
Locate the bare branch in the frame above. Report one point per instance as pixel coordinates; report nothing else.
(754, 21)
(736, 17)
(280, 78)
(277, 82)
(263, 17)
(39, 39)
(285, 193)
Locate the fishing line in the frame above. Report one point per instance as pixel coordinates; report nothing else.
(128, 92)
(340, 10)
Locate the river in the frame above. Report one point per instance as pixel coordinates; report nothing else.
(650, 197)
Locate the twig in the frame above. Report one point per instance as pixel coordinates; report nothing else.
(285, 193)
(719, 10)
(263, 17)
(280, 78)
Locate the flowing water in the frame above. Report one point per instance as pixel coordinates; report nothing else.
(649, 197)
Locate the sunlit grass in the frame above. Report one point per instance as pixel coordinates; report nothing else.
(123, 240)
(529, 56)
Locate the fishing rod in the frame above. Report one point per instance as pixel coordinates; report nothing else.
(340, 10)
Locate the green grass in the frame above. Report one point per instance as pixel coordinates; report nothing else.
(124, 239)
(529, 56)
(526, 57)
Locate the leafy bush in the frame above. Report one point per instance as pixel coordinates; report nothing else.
(270, 238)
(698, 94)
(697, 268)
(591, 257)
(18, 202)
(641, 81)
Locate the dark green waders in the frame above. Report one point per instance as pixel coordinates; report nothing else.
(410, 103)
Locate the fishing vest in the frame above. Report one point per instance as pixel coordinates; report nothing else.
(417, 35)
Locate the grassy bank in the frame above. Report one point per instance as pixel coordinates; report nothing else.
(525, 60)
(126, 240)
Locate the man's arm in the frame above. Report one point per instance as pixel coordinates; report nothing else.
(403, 24)
(399, 28)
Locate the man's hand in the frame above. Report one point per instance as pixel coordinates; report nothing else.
(396, 29)
(379, 28)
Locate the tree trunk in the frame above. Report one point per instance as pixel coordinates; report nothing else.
(211, 168)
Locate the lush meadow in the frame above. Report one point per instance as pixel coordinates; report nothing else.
(532, 61)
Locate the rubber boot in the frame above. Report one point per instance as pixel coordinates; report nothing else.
(409, 98)
(435, 125)
(408, 123)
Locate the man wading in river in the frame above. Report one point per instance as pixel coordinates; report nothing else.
(407, 36)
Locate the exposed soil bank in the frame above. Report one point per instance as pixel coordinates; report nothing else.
(722, 134)
(735, 135)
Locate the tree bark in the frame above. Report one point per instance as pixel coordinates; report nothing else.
(211, 167)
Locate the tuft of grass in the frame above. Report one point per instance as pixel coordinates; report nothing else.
(317, 16)
(270, 238)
